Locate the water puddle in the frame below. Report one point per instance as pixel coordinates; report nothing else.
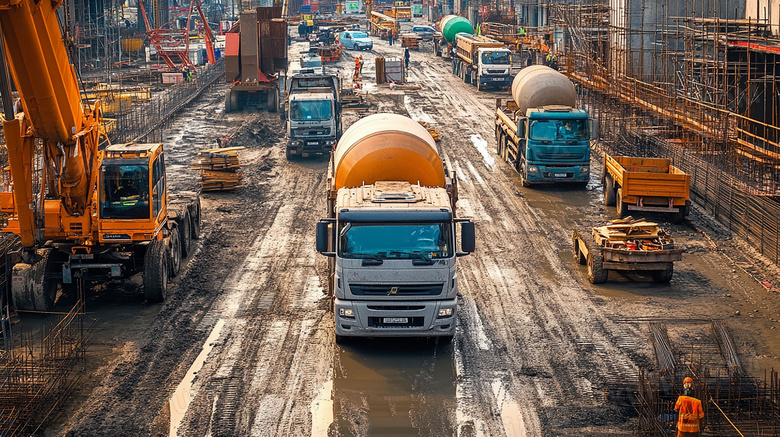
(182, 397)
(322, 410)
(482, 146)
(511, 417)
(391, 387)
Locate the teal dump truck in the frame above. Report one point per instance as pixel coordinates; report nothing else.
(541, 133)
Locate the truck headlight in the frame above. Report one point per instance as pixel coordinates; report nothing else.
(585, 169)
(347, 312)
(532, 169)
(445, 312)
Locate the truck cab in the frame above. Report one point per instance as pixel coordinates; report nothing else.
(393, 245)
(555, 145)
(313, 114)
(493, 68)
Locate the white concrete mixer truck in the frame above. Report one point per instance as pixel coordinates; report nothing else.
(541, 133)
(390, 233)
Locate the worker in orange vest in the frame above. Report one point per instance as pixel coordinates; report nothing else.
(691, 414)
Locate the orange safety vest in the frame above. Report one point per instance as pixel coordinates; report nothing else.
(690, 413)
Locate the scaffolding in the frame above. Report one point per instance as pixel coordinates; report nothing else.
(706, 77)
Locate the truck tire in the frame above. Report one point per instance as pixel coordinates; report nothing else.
(609, 191)
(273, 100)
(288, 154)
(620, 206)
(596, 272)
(34, 286)
(184, 221)
(175, 251)
(500, 144)
(579, 258)
(663, 276)
(196, 219)
(156, 263)
(467, 75)
(679, 216)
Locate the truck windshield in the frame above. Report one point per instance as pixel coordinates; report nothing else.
(357, 35)
(311, 110)
(551, 130)
(125, 192)
(495, 58)
(392, 241)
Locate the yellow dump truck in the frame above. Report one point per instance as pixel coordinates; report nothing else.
(646, 184)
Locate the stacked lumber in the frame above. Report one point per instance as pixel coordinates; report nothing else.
(219, 169)
(635, 234)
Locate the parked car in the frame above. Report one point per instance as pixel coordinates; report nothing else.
(426, 33)
(356, 40)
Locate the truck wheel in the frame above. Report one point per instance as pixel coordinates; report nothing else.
(175, 251)
(184, 221)
(34, 286)
(156, 263)
(579, 258)
(680, 215)
(196, 219)
(467, 75)
(273, 100)
(609, 191)
(596, 272)
(663, 276)
(288, 154)
(622, 208)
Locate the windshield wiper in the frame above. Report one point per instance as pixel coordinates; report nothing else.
(420, 259)
(369, 259)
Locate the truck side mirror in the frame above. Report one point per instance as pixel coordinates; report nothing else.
(323, 238)
(467, 238)
(594, 129)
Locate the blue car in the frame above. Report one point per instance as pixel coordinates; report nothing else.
(356, 40)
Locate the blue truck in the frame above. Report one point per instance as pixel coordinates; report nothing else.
(541, 133)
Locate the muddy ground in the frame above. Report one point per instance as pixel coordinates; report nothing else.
(244, 344)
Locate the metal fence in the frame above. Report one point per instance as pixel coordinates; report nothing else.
(144, 121)
(749, 213)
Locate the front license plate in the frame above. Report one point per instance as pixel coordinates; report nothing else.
(395, 320)
(311, 143)
(560, 175)
(498, 78)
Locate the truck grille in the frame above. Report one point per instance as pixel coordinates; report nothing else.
(378, 322)
(396, 290)
(558, 155)
(308, 133)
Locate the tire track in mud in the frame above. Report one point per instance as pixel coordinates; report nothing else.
(534, 312)
(270, 351)
(136, 385)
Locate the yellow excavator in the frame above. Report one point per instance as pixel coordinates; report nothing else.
(85, 210)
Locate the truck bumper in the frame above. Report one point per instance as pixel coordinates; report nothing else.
(543, 174)
(394, 318)
(304, 147)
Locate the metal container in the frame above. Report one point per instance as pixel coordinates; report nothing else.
(387, 147)
(451, 25)
(539, 85)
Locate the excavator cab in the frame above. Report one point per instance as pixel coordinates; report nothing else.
(132, 192)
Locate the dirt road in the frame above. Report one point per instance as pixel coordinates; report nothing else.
(244, 345)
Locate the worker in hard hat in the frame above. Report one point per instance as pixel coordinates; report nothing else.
(691, 413)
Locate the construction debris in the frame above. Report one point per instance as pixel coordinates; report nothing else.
(219, 169)
(431, 130)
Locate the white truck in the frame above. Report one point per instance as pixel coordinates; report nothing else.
(391, 232)
(482, 61)
(312, 110)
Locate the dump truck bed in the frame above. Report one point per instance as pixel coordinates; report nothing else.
(648, 177)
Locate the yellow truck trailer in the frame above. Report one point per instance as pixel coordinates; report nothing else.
(646, 184)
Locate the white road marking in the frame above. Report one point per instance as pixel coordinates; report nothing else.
(481, 145)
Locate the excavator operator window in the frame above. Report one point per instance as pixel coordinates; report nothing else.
(125, 192)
